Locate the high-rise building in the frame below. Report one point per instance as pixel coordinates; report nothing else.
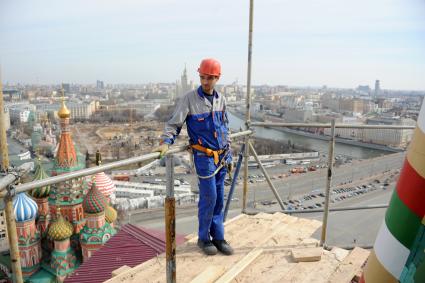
(184, 86)
(100, 84)
(66, 87)
(185, 83)
(377, 87)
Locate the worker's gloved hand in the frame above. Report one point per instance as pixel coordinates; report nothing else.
(229, 167)
(162, 149)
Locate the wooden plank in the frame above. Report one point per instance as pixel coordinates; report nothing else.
(120, 270)
(209, 275)
(242, 215)
(189, 236)
(307, 254)
(350, 266)
(317, 272)
(239, 266)
(193, 238)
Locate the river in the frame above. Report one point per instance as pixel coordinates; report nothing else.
(308, 143)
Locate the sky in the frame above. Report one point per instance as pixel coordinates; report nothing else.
(296, 43)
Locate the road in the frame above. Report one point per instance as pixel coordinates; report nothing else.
(344, 227)
(303, 183)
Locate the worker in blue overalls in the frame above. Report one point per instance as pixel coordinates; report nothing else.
(204, 111)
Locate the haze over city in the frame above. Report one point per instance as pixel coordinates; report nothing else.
(333, 43)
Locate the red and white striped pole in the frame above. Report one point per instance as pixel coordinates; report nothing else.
(398, 254)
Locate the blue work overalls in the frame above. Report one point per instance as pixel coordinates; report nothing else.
(207, 125)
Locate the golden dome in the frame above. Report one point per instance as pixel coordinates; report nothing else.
(61, 229)
(64, 111)
(110, 214)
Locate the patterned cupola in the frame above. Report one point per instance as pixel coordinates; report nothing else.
(60, 229)
(40, 174)
(63, 260)
(103, 182)
(94, 202)
(24, 207)
(25, 210)
(97, 230)
(41, 195)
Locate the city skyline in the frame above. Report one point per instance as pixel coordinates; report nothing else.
(297, 44)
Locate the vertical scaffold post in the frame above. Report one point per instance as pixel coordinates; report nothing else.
(170, 222)
(328, 183)
(3, 136)
(248, 105)
(13, 239)
(234, 180)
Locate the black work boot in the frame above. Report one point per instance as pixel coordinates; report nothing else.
(223, 247)
(207, 247)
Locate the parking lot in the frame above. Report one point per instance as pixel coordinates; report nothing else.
(316, 198)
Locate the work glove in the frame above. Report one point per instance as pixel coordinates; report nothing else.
(162, 149)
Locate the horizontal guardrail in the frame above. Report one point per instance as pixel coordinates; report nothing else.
(93, 170)
(322, 125)
(347, 208)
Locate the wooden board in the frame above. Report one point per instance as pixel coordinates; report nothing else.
(120, 270)
(307, 254)
(350, 266)
(275, 234)
(194, 237)
(240, 266)
(209, 275)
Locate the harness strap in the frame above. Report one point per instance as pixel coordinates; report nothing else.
(209, 152)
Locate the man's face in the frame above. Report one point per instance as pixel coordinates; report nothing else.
(208, 82)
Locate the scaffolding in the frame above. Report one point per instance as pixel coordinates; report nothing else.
(10, 186)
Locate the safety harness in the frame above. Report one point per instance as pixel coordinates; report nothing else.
(211, 153)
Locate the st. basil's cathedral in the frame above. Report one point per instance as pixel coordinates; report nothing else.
(61, 226)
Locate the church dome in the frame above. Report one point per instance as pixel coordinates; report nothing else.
(24, 207)
(95, 201)
(103, 184)
(61, 229)
(40, 174)
(64, 111)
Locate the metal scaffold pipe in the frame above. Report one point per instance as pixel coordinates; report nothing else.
(104, 167)
(7, 181)
(340, 126)
(315, 210)
(266, 175)
(248, 105)
(3, 137)
(170, 222)
(13, 240)
(328, 184)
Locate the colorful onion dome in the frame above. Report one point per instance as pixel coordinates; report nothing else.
(110, 214)
(25, 208)
(64, 111)
(95, 201)
(40, 174)
(103, 184)
(61, 229)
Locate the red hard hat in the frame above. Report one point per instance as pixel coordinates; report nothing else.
(210, 67)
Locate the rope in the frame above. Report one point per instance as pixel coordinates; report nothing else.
(213, 174)
(222, 163)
